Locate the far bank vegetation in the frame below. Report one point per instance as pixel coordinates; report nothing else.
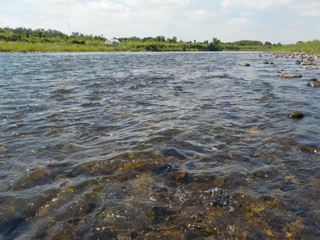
(41, 40)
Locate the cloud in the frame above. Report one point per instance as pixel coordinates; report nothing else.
(246, 14)
(239, 22)
(306, 7)
(8, 22)
(242, 28)
(255, 4)
(200, 14)
(157, 3)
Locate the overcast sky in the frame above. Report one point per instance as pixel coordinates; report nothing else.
(285, 21)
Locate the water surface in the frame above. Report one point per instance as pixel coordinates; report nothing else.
(157, 145)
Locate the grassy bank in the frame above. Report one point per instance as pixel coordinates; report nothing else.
(310, 46)
(124, 47)
(40, 40)
(9, 46)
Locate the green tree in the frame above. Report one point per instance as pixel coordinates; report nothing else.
(215, 45)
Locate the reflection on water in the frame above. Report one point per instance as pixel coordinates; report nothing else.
(161, 145)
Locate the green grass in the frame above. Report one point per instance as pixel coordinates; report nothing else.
(54, 47)
(99, 46)
(310, 46)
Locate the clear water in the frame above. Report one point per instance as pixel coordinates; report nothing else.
(157, 146)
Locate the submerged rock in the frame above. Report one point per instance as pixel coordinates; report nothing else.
(163, 168)
(309, 149)
(172, 152)
(296, 114)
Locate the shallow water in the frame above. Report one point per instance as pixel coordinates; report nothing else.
(157, 145)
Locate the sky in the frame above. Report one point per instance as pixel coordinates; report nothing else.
(284, 21)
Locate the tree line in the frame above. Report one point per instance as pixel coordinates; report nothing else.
(158, 43)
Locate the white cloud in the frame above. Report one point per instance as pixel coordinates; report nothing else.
(200, 14)
(157, 3)
(255, 4)
(8, 22)
(250, 19)
(306, 7)
(246, 14)
(239, 22)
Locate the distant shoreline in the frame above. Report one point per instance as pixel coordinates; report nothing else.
(41, 40)
(30, 47)
(9, 47)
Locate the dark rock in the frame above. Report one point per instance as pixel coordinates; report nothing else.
(259, 174)
(182, 177)
(172, 152)
(160, 169)
(191, 166)
(314, 84)
(244, 64)
(265, 62)
(298, 62)
(161, 213)
(296, 114)
(134, 235)
(309, 149)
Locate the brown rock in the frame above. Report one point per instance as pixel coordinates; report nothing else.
(296, 114)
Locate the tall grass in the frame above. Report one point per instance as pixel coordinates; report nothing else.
(310, 46)
(53, 47)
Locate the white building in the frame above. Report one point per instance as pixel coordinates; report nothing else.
(112, 42)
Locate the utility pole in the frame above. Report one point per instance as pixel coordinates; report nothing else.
(69, 29)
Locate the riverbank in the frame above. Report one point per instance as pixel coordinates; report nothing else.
(287, 51)
(310, 61)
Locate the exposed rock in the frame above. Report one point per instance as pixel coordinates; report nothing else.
(298, 62)
(290, 75)
(244, 64)
(314, 84)
(306, 63)
(265, 62)
(296, 114)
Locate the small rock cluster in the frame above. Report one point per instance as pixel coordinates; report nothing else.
(309, 61)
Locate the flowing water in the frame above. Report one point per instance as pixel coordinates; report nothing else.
(157, 146)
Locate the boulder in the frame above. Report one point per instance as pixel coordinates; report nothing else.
(296, 114)
(314, 84)
(304, 63)
(290, 75)
(244, 64)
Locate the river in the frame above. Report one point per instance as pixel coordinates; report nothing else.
(157, 146)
